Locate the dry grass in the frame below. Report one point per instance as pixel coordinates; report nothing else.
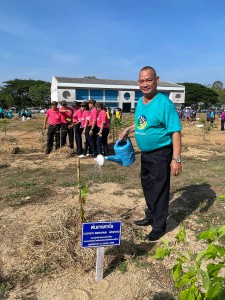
(40, 223)
(55, 243)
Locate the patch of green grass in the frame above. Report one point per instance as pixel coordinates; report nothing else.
(28, 192)
(103, 178)
(68, 184)
(42, 269)
(30, 295)
(32, 194)
(123, 267)
(5, 286)
(138, 195)
(26, 184)
(118, 193)
(139, 263)
(140, 234)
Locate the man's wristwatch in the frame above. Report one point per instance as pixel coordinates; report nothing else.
(177, 159)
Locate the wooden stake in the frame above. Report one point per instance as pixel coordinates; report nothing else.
(80, 190)
(60, 133)
(99, 263)
(78, 179)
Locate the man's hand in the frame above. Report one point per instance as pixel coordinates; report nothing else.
(176, 168)
(123, 135)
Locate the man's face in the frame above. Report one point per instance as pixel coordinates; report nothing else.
(148, 82)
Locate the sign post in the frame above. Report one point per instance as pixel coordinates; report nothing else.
(99, 235)
(99, 263)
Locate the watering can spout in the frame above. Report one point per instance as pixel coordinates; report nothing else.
(114, 158)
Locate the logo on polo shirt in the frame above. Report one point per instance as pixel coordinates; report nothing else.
(142, 122)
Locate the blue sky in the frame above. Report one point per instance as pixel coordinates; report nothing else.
(183, 39)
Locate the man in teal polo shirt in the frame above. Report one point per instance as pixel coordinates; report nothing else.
(157, 130)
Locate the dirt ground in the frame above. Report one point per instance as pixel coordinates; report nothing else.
(41, 257)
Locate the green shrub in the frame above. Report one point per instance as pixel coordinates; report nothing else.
(198, 275)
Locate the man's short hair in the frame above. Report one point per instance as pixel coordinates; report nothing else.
(148, 68)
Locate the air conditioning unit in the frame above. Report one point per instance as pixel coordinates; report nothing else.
(177, 97)
(66, 94)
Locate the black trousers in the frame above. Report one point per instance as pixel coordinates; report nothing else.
(222, 125)
(65, 130)
(92, 139)
(78, 138)
(155, 180)
(53, 133)
(102, 142)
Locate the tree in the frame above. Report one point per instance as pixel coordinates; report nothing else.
(19, 89)
(6, 100)
(39, 95)
(196, 93)
(221, 94)
(217, 84)
(91, 77)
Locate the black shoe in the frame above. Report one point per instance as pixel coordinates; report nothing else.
(154, 235)
(143, 222)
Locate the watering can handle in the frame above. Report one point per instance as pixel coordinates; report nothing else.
(125, 139)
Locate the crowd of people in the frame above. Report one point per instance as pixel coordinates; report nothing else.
(85, 125)
(189, 114)
(8, 113)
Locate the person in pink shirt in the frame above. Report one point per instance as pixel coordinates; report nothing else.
(76, 123)
(103, 129)
(66, 114)
(54, 120)
(92, 130)
(222, 120)
(83, 128)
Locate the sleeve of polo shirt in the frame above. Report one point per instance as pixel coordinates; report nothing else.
(172, 120)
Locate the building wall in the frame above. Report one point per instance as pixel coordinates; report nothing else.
(121, 97)
(126, 97)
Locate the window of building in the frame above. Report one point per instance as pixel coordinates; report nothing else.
(126, 96)
(82, 94)
(111, 104)
(96, 95)
(111, 95)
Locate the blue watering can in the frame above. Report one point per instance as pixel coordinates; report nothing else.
(124, 154)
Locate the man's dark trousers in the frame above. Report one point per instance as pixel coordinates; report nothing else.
(155, 179)
(64, 131)
(53, 132)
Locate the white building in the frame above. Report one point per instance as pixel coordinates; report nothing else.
(113, 93)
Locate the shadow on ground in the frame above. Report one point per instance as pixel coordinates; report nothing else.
(194, 197)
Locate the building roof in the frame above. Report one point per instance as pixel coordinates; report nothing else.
(86, 80)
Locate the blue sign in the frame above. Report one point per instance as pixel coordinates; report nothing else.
(101, 234)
